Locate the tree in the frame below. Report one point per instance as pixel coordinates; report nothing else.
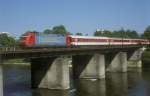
(131, 34)
(107, 33)
(125, 34)
(61, 30)
(97, 33)
(48, 31)
(119, 33)
(6, 40)
(146, 33)
(80, 34)
(103, 33)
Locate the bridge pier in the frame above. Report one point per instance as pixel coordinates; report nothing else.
(1, 77)
(117, 63)
(89, 66)
(134, 59)
(51, 73)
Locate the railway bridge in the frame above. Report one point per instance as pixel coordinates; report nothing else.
(50, 66)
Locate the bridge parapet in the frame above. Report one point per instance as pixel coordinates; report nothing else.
(6, 49)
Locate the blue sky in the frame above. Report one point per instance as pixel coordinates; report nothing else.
(18, 16)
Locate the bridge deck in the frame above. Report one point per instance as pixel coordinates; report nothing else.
(46, 52)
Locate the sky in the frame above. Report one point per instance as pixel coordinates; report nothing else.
(19, 16)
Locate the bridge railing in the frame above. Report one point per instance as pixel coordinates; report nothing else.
(5, 49)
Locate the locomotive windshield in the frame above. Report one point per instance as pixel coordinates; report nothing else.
(23, 37)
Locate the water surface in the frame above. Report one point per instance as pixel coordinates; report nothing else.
(17, 82)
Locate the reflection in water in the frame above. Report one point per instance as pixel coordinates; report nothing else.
(134, 77)
(17, 83)
(146, 77)
(91, 88)
(16, 80)
(117, 84)
(138, 85)
(46, 92)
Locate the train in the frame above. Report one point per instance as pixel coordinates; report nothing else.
(37, 39)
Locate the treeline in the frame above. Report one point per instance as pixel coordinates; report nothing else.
(119, 33)
(61, 30)
(6, 40)
(122, 33)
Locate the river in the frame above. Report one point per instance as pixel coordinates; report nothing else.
(17, 82)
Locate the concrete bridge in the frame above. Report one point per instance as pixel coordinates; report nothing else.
(50, 66)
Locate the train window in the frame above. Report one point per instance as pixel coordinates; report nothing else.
(23, 37)
(117, 40)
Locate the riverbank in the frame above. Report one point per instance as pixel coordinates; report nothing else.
(17, 62)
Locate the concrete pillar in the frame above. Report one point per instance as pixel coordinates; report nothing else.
(51, 73)
(118, 63)
(1, 77)
(89, 66)
(134, 59)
